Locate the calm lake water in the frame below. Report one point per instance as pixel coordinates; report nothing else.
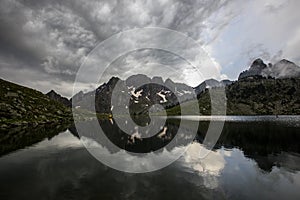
(253, 159)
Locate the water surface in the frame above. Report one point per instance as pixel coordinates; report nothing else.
(250, 161)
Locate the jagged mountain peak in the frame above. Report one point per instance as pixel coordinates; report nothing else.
(113, 79)
(138, 79)
(258, 64)
(282, 69)
(168, 80)
(285, 61)
(158, 80)
(52, 92)
(57, 97)
(258, 61)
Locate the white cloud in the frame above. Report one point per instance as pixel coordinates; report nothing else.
(266, 29)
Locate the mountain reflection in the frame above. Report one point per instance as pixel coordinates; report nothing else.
(70, 172)
(266, 142)
(270, 144)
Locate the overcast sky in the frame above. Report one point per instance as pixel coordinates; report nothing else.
(43, 43)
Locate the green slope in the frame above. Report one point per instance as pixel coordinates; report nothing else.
(24, 106)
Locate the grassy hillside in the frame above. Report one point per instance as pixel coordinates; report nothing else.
(264, 97)
(257, 96)
(24, 106)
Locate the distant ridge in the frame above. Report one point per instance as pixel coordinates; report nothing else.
(57, 97)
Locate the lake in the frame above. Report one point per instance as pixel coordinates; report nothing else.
(254, 158)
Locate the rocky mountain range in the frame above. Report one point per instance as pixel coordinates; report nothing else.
(262, 89)
(139, 92)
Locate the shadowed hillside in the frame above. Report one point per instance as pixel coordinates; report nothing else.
(24, 106)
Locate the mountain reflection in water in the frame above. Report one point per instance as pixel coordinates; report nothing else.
(250, 160)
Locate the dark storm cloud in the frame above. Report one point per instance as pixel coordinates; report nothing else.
(50, 39)
(43, 43)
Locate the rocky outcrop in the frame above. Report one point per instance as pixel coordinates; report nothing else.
(281, 69)
(256, 69)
